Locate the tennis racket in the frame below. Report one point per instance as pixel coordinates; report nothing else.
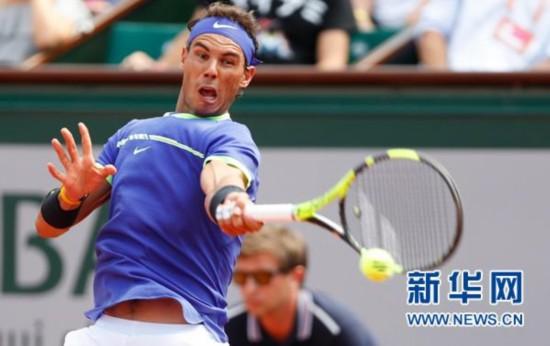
(400, 201)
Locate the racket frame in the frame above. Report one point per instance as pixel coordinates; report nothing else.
(307, 211)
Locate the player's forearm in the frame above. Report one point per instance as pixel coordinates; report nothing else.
(45, 230)
(57, 214)
(217, 174)
(432, 50)
(48, 222)
(333, 50)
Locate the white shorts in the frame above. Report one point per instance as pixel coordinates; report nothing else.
(111, 331)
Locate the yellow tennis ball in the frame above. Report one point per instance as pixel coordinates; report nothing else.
(377, 264)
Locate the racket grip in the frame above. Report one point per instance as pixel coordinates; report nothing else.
(271, 212)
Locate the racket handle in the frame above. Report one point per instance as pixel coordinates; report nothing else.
(271, 212)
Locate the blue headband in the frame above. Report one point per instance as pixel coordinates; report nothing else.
(230, 29)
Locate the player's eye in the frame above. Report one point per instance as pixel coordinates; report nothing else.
(202, 55)
(229, 62)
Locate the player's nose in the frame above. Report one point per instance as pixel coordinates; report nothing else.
(211, 70)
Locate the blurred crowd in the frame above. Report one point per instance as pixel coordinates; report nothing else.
(456, 35)
(27, 26)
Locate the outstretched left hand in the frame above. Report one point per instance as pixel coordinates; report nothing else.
(81, 175)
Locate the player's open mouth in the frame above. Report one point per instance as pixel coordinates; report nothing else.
(208, 93)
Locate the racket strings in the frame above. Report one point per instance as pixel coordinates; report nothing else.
(405, 207)
(383, 233)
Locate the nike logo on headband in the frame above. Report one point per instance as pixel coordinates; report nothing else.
(217, 25)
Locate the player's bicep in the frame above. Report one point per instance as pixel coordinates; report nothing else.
(245, 173)
(217, 173)
(235, 148)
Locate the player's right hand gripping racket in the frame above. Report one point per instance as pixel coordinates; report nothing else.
(399, 201)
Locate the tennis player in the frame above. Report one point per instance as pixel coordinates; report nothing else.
(276, 309)
(163, 261)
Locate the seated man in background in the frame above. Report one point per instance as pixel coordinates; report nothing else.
(313, 32)
(270, 271)
(489, 35)
(29, 26)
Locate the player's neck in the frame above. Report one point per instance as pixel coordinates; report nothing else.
(279, 323)
(182, 107)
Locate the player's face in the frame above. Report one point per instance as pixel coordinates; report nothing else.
(259, 296)
(214, 72)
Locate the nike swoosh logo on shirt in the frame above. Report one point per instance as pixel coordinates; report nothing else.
(140, 150)
(217, 25)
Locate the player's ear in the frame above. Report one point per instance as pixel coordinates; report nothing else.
(249, 73)
(184, 53)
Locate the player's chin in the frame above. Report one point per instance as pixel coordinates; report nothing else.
(207, 111)
(209, 107)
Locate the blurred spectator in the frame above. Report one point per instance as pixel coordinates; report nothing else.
(488, 35)
(28, 26)
(362, 10)
(397, 14)
(292, 32)
(277, 310)
(171, 56)
(98, 7)
(391, 14)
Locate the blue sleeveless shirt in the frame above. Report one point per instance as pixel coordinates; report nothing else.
(158, 241)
